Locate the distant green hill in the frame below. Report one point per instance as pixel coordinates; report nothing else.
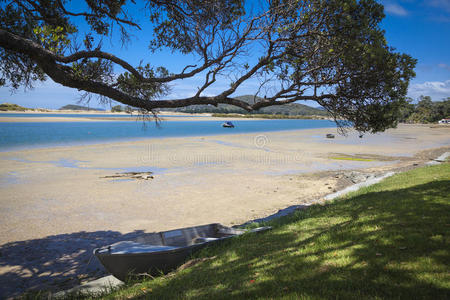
(78, 107)
(12, 107)
(292, 109)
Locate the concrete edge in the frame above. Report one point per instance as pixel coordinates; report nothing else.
(98, 286)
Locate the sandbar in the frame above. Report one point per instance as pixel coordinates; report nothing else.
(109, 118)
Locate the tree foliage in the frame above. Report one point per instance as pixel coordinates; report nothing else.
(117, 108)
(332, 52)
(426, 110)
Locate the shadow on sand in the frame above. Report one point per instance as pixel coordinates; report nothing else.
(55, 262)
(60, 262)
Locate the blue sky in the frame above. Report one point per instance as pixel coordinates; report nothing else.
(420, 28)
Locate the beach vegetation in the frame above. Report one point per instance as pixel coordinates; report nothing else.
(330, 52)
(117, 108)
(128, 109)
(389, 240)
(426, 110)
(12, 107)
(79, 107)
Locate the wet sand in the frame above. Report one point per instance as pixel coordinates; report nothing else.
(55, 205)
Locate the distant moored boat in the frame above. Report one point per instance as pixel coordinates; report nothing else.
(228, 124)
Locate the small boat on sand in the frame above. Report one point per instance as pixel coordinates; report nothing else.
(162, 252)
(330, 136)
(228, 124)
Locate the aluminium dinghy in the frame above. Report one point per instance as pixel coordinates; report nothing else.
(162, 252)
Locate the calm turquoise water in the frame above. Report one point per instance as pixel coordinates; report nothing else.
(45, 134)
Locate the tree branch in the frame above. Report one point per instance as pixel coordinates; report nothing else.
(84, 14)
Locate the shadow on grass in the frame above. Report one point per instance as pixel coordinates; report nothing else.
(381, 244)
(55, 262)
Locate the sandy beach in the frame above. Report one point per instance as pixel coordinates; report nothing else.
(56, 204)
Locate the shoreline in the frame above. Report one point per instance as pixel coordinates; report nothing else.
(89, 140)
(131, 119)
(143, 139)
(94, 112)
(231, 153)
(71, 208)
(163, 115)
(104, 116)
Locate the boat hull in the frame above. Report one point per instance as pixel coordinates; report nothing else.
(162, 252)
(122, 266)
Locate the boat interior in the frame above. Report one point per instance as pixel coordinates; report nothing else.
(168, 240)
(189, 236)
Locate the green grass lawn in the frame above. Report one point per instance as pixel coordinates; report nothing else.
(390, 240)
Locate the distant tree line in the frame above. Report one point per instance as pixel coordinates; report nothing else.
(426, 110)
(290, 109)
(11, 107)
(120, 108)
(79, 107)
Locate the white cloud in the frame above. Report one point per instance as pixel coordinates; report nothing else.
(47, 94)
(440, 10)
(395, 9)
(437, 90)
(444, 66)
(440, 4)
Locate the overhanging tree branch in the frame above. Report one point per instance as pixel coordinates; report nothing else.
(331, 52)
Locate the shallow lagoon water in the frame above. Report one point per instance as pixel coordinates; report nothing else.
(16, 136)
(75, 164)
(9, 178)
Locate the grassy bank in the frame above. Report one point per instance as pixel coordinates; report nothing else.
(269, 116)
(390, 240)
